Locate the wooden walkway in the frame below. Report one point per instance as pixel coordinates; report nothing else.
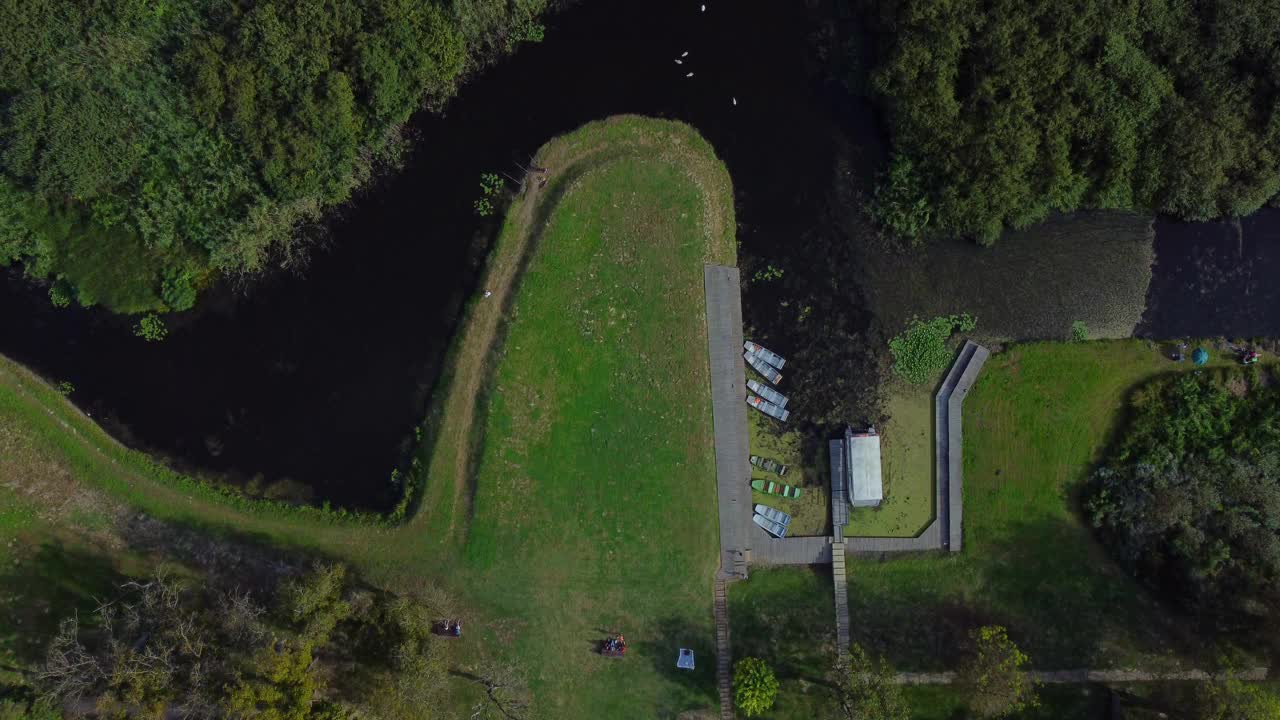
(1076, 677)
(729, 416)
(729, 419)
(769, 550)
(842, 600)
(724, 677)
(948, 435)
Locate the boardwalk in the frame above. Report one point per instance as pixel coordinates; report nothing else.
(729, 416)
(842, 600)
(767, 550)
(724, 680)
(1077, 677)
(948, 454)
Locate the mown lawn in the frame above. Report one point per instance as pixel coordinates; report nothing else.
(595, 503)
(592, 506)
(1038, 419)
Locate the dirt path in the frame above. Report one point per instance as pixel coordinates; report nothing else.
(1060, 677)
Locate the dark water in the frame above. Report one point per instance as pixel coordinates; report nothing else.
(320, 376)
(1215, 278)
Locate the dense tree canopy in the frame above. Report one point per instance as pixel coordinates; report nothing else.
(1003, 111)
(147, 147)
(328, 650)
(1190, 499)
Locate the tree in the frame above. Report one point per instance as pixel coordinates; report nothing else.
(164, 649)
(1232, 699)
(1187, 497)
(506, 695)
(754, 686)
(1001, 112)
(315, 603)
(144, 153)
(995, 676)
(867, 690)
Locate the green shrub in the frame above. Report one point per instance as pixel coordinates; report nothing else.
(754, 686)
(921, 350)
(1079, 331)
(60, 295)
(151, 328)
(177, 290)
(900, 205)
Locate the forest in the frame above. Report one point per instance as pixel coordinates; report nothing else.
(1001, 112)
(1190, 497)
(148, 148)
(318, 645)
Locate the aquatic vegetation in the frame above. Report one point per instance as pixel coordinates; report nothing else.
(921, 350)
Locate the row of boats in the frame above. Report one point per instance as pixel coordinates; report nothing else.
(762, 397)
(774, 404)
(774, 521)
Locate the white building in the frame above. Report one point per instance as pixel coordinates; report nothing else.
(855, 473)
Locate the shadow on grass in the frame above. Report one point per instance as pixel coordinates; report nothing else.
(1065, 604)
(786, 617)
(41, 589)
(249, 561)
(699, 684)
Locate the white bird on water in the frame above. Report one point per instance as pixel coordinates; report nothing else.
(689, 75)
(735, 101)
(684, 54)
(679, 61)
(704, 8)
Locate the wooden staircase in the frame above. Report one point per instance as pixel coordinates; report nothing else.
(724, 655)
(842, 599)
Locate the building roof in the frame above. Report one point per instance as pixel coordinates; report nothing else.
(863, 476)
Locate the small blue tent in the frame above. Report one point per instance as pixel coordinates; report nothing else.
(1200, 356)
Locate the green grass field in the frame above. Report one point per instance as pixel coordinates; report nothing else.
(1034, 425)
(1038, 419)
(567, 472)
(595, 496)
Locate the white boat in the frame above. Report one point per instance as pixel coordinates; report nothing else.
(767, 393)
(771, 527)
(768, 408)
(764, 354)
(765, 369)
(773, 514)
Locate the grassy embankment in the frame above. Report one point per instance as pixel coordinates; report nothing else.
(569, 471)
(1035, 425)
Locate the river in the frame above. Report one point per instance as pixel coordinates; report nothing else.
(320, 375)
